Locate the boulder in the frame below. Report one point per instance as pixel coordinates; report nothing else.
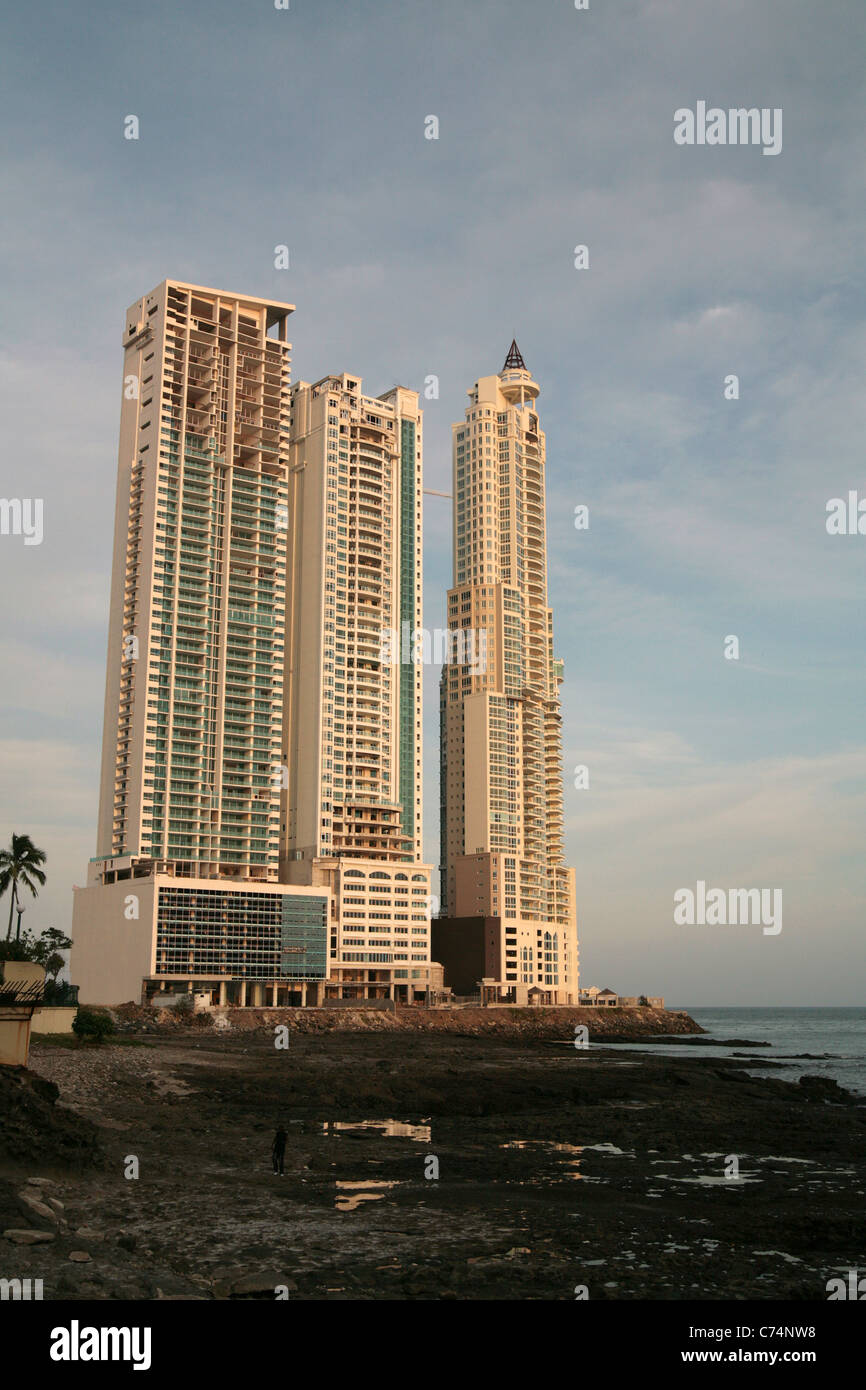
(21, 1237)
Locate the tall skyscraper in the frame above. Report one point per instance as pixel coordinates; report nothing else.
(194, 691)
(352, 803)
(184, 890)
(508, 899)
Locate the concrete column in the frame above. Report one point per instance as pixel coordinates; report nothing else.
(274, 988)
(243, 994)
(222, 993)
(303, 994)
(258, 995)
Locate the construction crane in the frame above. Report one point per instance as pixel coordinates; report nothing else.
(431, 492)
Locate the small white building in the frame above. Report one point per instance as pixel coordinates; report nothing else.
(599, 998)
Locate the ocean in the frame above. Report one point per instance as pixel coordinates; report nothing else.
(841, 1033)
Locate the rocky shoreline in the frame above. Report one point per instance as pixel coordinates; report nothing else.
(603, 1024)
(435, 1162)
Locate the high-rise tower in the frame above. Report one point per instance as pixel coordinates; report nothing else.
(352, 803)
(184, 890)
(193, 706)
(508, 899)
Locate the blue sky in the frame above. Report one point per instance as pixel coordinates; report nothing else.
(410, 257)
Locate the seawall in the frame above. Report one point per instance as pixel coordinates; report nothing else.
(552, 1023)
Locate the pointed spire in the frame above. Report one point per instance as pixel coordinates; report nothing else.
(514, 358)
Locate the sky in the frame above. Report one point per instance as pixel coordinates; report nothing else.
(411, 257)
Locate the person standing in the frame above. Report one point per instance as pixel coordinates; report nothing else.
(278, 1151)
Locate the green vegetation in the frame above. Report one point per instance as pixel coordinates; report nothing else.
(92, 1025)
(46, 951)
(20, 864)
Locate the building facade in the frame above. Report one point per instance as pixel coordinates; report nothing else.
(501, 743)
(194, 700)
(353, 779)
(185, 890)
(138, 933)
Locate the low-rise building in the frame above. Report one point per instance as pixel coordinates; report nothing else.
(593, 997)
(136, 934)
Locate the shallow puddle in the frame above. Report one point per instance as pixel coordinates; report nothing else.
(389, 1129)
(350, 1195)
(567, 1156)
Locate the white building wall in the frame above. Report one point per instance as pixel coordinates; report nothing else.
(113, 951)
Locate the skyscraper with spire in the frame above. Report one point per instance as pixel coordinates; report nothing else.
(508, 915)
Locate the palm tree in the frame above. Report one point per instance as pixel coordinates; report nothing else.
(20, 864)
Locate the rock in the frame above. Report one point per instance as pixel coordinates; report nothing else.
(33, 1207)
(28, 1237)
(223, 1279)
(258, 1283)
(79, 1257)
(41, 1182)
(227, 1283)
(35, 1125)
(56, 1204)
(824, 1088)
(89, 1233)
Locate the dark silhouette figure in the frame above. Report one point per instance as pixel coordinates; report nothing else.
(278, 1150)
